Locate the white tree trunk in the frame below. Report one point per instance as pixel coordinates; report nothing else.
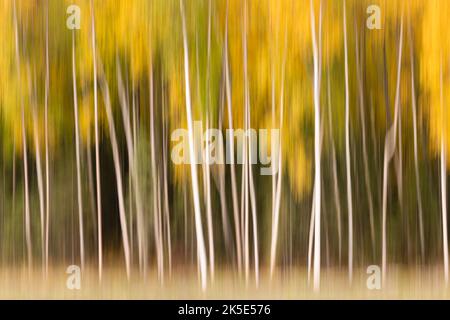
(47, 173)
(115, 150)
(77, 153)
(24, 146)
(443, 182)
(347, 158)
(389, 149)
(237, 222)
(317, 169)
(132, 163)
(416, 156)
(97, 151)
(195, 190)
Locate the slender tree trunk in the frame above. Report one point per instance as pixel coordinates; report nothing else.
(362, 114)
(37, 151)
(97, 151)
(337, 201)
(207, 164)
(416, 156)
(132, 161)
(221, 171)
(276, 187)
(201, 255)
(249, 158)
(115, 150)
(24, 146)
(311, 235)
(317, 169)
(347, 158)
(237, 222)
(47, 169)
(443, 181)
(77, 153)
(166, 195)
(389, 149)
(156, 212)
(207, 187)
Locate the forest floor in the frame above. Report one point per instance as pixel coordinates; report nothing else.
(20, 283)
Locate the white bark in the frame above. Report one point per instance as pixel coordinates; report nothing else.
(24, 146)
(347, 158)
(317, 169)
(416, 156)
(195, 190)
(276, 186)
(237, 222)
(47, 173)
(132, 163)
(77, 153)
(156, 212)
(97, 151)
(364, 139)
(389, 149)
(115, 150)
(443, 181)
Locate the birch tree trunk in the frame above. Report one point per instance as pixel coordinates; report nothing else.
(132, 161)
(276, 186)
(201, 255)
(97, 151)
(40, 183)
(389, 149)
(362, 114)
(237, 218)
(347, 158)
(156, 212)
(317, 169)
(115, 150)
(443, 181)
(47, 173)
(24, 145)
(77, 153)
(416, 157)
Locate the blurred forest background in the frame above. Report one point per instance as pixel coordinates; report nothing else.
(86, 118)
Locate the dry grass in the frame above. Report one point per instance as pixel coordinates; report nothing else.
(183, 284)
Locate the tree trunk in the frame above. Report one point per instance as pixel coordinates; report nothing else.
(201, 255)
(317, 169)
(97, 151)
(77, 153)
(115, 150)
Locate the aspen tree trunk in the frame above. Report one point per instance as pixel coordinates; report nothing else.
(47, 173)
(97, 151)
(249, 158)
(37, 151)
(337, 201)
(236, 210)
(416, 157)
(207, 151)
(77, 153)
(166, 195)
(24, 146)
(347, 158)
(132, 161)
(201, 255)
(317, 170)
(389, 149)
(362, 116)
(277, 186)
(156, 212)
(115, 150)
(443, 181)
